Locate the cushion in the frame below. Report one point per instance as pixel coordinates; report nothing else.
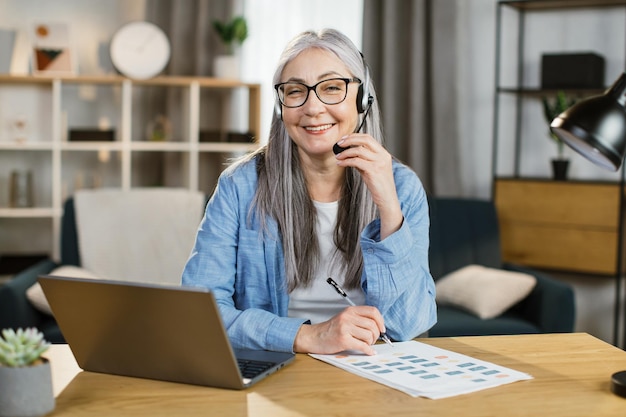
(35, 293)
(484, 292)
(138, 235)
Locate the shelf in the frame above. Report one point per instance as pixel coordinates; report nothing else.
(91, 146)
(56, 104)
(29, 212)
(176, 81)
(160, 146)
(227, 147)
(526, 178)
(26, 146)
(542, 92)
(544, 5)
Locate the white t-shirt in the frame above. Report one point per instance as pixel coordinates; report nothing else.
(320, 301)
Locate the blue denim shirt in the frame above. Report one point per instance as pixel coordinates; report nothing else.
(246, 273)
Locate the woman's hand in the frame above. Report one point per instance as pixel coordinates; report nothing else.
(374, 163)
(355, 328)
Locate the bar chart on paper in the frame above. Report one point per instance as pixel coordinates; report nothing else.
(422, 370)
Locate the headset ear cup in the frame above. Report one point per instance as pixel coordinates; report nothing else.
(359, 99)
(278, 110)
(364, 99)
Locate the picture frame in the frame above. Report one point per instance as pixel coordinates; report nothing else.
(52, 51)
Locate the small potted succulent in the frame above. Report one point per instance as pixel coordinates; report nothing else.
(230, 33)
(551, 109)
(25, 376)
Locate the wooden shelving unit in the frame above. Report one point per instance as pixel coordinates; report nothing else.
(575, 226)
(571, 225)
(51, 106)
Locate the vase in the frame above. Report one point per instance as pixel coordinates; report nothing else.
(226, 66)
(559, 169)
(26, 391)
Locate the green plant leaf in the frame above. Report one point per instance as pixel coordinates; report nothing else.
(235, 30)
(21, 347)
(239, 29)
(551, 109)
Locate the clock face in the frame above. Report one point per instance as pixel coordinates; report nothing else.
(140, 50)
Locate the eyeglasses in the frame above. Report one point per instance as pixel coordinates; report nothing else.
(331, 91)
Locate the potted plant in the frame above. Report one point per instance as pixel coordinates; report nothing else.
(25, 376)
(551, 109)
(231, 33)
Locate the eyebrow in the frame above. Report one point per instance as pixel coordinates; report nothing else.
(321, 77)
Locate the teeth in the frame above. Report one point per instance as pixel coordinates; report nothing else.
(318, 128)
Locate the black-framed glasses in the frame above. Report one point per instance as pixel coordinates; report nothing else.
(331, 91)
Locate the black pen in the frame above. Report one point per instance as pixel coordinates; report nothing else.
(383, 336)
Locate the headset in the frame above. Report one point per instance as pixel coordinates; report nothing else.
(364, 98)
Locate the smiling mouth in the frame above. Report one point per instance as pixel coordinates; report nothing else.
(318, 128)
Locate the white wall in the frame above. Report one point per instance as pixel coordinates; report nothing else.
(90, 21)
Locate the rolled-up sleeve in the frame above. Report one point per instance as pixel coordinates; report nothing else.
(396, 276)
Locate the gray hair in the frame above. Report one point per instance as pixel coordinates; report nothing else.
(282, 192)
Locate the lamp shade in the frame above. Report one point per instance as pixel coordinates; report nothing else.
(596, 127)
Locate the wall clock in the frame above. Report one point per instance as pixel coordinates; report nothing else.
(140, 50)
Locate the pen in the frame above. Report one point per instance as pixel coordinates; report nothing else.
(341, 292)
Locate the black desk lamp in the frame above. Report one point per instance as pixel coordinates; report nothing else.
(596, 128)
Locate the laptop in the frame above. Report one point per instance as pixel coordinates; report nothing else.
(167, 333)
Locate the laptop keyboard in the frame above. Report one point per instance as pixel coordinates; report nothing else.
(251, 369)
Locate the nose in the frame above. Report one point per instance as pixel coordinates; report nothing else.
(313, 105)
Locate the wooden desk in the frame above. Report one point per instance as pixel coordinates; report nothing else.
(571, 378)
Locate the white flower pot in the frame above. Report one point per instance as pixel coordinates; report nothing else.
(26, 391)
(226, 66)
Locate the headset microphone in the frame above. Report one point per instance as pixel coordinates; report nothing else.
(338, 149)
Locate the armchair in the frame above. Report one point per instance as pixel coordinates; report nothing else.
(465, 232)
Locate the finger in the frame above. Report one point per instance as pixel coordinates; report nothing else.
(349, 336)
(358, 323)
(355, 140)
(372, 314)
(368, 335)
(358, 344)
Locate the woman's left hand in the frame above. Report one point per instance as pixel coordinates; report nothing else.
(374, 163)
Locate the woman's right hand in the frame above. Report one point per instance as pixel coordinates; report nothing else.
(355, 328)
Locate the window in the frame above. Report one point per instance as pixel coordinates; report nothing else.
(273, 23)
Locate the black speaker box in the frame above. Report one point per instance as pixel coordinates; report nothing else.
(83, 135)
(579, 70)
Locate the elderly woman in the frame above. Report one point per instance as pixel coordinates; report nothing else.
(323, 199)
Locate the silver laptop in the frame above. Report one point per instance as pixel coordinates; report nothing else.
(153, 331)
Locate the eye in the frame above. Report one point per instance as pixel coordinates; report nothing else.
(293, 90)
(333, 86)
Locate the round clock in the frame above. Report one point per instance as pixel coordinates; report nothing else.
(140, 50)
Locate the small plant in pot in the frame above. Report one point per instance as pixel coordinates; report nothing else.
(551, 109)
(25, 376)
(231, 33)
